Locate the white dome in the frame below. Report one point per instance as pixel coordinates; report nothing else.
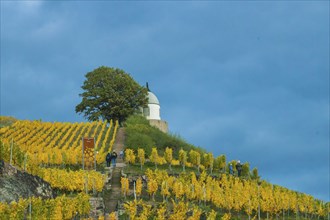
(152, 99)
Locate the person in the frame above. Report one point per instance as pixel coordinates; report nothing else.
(231, 169)
(108, 159)
(121, 154)
(239, 168)
(113, 157)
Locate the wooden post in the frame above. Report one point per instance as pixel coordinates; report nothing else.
(1, 154)
(25, 157)
(30, 207)
(11, 151)
(86, 184)
(134, 192)
(258, 202)
(94, 191)
(297, 208)
(94, 155)
(83, 162)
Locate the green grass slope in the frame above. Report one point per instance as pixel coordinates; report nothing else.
(140, 134)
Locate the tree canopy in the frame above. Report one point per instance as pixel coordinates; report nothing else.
(110, 93)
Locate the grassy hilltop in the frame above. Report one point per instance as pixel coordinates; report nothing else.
(140, 134)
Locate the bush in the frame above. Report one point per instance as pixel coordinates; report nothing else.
(136, 119)
(140, 134)
(135, 140)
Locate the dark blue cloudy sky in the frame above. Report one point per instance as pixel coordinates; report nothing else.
(248, 79)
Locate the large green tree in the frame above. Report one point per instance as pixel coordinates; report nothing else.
(110, 93)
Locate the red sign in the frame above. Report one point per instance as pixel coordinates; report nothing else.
(88, 152)
(88, 143)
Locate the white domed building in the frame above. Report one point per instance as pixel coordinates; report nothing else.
(152, 112)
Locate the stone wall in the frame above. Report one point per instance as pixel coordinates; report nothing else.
(161, 125)
(15, 184)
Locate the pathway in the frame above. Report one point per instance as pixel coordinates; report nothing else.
(111, 198)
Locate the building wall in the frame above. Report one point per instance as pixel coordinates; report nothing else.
(154, 112)
(161, 125)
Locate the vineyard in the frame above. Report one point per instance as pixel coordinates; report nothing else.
(189, 195)
(53, 151)
(63, 207)
(53, 144)
(164, 184)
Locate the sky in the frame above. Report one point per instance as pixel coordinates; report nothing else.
(248, 79)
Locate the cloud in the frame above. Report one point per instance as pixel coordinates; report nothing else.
(249, 81)
(30, 7)
(49, 29)
(25, 8)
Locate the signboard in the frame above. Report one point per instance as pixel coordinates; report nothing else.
(88, 154)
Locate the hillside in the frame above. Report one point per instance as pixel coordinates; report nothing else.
(140, 134)
(205, 184)
(162, 176)
(52, 151)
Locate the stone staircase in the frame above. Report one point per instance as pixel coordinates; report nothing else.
(115, 190)
(112, 193)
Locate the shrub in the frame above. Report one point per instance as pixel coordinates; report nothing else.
(141, 134)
